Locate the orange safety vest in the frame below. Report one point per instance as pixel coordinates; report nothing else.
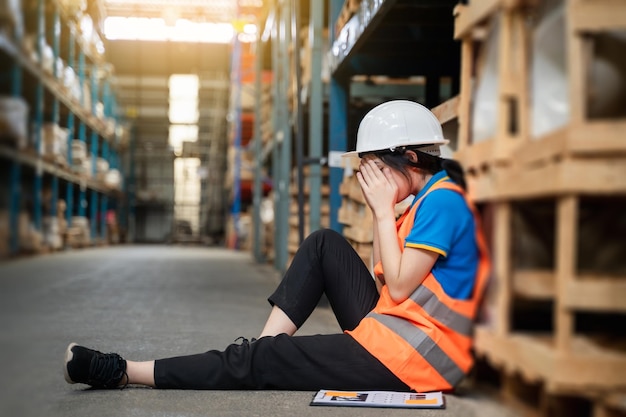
(426, 340)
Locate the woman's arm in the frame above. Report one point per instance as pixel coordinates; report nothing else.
(380, 280)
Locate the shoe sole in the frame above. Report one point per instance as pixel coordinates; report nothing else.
(69, 355)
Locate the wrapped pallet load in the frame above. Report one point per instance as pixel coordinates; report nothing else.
(549, 82)
(485, 109)
(550, 95)
(54, 142)
(14, 120)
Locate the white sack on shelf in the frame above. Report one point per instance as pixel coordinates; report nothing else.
(52, 233)
(113, 178)
(14, 119)
(54, 140)
(102, 165)
(485, 109)
(549, 82)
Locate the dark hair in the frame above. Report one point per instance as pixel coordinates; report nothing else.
(397, 159)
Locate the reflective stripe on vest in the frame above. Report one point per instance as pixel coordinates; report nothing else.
(427, 299)
(424, 345)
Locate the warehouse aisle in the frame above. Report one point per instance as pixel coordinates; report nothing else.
(145, 302)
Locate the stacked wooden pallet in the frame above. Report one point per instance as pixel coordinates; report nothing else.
(294, 235)
(349, 9)
(558, 198)
(356, 217)
(267, 131)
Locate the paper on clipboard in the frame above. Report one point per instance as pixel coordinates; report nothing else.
(391, 399)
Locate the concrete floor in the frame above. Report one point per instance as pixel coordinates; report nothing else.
(147, 302)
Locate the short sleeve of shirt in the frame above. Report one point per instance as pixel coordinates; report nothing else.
(437, 222)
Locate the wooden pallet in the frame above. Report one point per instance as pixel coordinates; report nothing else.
(563, 361)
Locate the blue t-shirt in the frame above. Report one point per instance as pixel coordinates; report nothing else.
(444, 224)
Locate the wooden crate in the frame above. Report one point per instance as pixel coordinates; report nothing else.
(548, 276)
(473, 22)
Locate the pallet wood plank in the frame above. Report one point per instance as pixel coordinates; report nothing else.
(502, 263)
(467, 17)
(535, 284)
(566, 260)
(596, 294)
(597, 15)
(447, 110)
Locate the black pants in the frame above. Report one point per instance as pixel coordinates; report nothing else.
(325, 263)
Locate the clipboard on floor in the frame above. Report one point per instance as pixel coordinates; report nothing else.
(384, 399)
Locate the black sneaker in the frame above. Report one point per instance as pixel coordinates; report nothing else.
(100, 370)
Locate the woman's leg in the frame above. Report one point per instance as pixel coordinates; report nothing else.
(278, 322)
(310, 363)
(334, 361)
(141, 373)
(324, 263)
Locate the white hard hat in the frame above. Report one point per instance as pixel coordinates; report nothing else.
(398, 123)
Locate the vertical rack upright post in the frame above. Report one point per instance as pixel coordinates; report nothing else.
(69, 197)
(338, 125)
(56, 47)
(16, 168)
(93, 205)
(39, 109)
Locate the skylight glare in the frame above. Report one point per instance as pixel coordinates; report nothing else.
(155, 29)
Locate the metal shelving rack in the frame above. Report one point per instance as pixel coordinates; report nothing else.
(51, 102)
(279, 35)
(389, 38)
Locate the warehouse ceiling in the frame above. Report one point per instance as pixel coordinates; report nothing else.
(215, 11)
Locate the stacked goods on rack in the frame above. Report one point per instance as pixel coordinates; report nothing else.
(268, 226)
(14, 121)
(81, 162)
(31, 240)
(356, 217)
(54, 143)
(352, 21)
(294, 236)
(79, 234)
(266, 113)
(552, 167)
(53, 226)
(306, 57)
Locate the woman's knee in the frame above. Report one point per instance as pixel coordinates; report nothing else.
(322, 237)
